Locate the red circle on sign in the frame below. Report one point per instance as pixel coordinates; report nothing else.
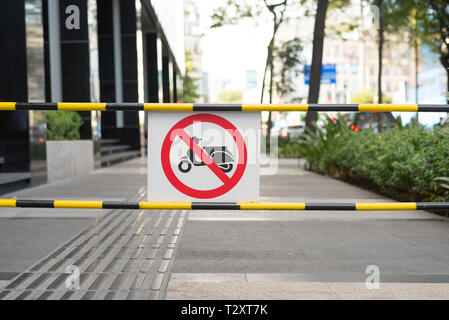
(229, 184)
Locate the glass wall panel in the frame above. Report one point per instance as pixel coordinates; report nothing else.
(36, 89)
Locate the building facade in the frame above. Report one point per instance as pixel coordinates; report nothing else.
(84, 51)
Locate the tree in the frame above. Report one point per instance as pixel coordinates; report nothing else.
(317, 60)
(380, 57)
(234, 11)
(230, 96)
(277, 20)
(288, 57)
(433, 23)
(393, 18)
(402, 18)
(426, 21)
(323, 7)
(189, 83)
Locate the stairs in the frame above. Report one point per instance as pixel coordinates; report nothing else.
(111, 152)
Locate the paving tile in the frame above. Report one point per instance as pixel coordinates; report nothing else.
(242, 295)
(116, 257)
(185, 277)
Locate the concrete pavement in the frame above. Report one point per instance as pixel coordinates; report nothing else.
(219, 254)
(311, 255)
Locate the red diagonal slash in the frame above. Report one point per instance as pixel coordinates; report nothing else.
(202, 155)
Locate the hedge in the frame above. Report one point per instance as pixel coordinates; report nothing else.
(401, 163)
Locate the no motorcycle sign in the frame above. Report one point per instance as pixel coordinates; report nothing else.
(203, 156)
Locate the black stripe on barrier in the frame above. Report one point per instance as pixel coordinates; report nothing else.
(35, 203)
(120, 205)
(332, 107)
(432, 206)
(215, 206)
(217, 107)
(432, 108)
(124, 107)
(36, 106)
(330, 206)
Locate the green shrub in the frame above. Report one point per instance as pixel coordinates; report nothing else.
(288, 148)
(63, 125)
(401, 163)
(367, 96)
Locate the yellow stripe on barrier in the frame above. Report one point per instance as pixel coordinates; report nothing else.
(8, 202)
(165, 106)
(7, 106)
(271, 206)
(386, 206)
(78, 204)
(275, 107)
(388, 107)
(81, 106)
(165, 205)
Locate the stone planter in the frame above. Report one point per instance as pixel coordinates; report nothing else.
(67, 159)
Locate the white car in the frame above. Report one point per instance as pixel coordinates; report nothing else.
(293, 132)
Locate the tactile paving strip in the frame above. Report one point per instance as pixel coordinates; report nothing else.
(127, 254)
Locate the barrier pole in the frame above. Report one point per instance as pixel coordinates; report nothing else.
(99, 106)
(284, 206)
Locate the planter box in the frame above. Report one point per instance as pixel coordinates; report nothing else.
(67, 159)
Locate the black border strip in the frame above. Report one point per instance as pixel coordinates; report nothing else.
(333, 107)
(35, 203)
(217, 107)
(120, 205)
(330, 206)
(433, 108)
(124, 107)
(36, 106)
(432, 206)
(215, 206)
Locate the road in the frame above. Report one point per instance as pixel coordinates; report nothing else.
(123, 254)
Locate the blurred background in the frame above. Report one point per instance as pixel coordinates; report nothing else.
(223, 51)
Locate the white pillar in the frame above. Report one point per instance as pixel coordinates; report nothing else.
(117, 59)
(54, 51)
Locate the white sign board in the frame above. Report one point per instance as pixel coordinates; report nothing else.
(207, 156)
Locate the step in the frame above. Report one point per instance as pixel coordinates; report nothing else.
(105, 142)
(113, 148)
(119, 157)
(11, 181)
(9, 177)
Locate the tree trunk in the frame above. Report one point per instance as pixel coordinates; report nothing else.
(264, 77)
(447, 96)
(270, 122)
(416, 66)
(379, 73)
(415, 42)
(317, 60)
(270, 63)
(445, 62)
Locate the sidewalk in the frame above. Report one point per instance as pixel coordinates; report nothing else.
(314, 254)
(219, 254)
(27, 235)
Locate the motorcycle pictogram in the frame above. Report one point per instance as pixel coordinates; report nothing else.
(219, 154)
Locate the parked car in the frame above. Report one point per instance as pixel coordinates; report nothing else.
(293, 132)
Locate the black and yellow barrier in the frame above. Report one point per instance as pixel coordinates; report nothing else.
(294, 206)
(98, 106)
